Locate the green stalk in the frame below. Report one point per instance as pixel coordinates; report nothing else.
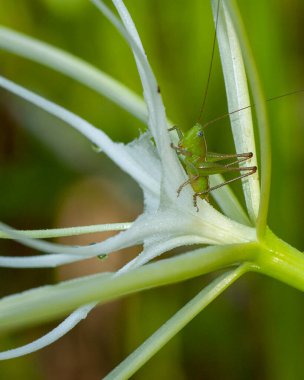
(175, 324)
(271, 257)
(281, 261)
(50, 302)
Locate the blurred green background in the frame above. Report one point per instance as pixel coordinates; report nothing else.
(50, 177)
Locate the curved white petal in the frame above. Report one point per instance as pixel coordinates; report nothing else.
(62, 254)
(209, 225)
(172, 172)
(174, 228)
(70, 231)
(173, 175)
(154, 247)
(63, 328)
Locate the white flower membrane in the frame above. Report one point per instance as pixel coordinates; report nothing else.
(167, 221)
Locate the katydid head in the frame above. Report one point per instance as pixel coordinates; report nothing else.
(194, 140)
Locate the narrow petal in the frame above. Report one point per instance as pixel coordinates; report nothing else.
(70, 231)
(115, 151)
(238, 98)
(154, 247)
(63, 328)
(172, 172)
(209, 226)
(261, 116)
(62, 254)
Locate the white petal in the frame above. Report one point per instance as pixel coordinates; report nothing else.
(238, 97)
(116, 151)
(154, 247)
(62, 254)
(173, 228)
(172, 174)
(209, 225)
(63, 328)
(145, 155)
(70, 231)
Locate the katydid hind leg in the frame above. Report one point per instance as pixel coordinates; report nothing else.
(237, 162)
(215, 157)
(223, 169)
(251, 170)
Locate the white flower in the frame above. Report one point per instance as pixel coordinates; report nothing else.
(167, 221)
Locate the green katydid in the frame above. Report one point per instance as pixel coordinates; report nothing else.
(199, 164)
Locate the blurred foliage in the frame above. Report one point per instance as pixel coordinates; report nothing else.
(255, 329)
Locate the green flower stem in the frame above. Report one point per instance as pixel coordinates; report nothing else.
(69, 231)
(50, 302)
(170, 328)
(271, 256)
(281, 261)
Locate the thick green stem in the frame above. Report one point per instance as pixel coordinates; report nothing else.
(271, 257)
(281, 261)
(50, 302)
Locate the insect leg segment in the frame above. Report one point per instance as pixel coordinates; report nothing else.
(182, 151)
(241, 157)
(178, 131)
(215, 157)
(178, 149)
(188, 182)
(236, 162)
(193, 173)
(205, 171)
(222, 169)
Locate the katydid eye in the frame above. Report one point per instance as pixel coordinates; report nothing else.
(200, 134)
